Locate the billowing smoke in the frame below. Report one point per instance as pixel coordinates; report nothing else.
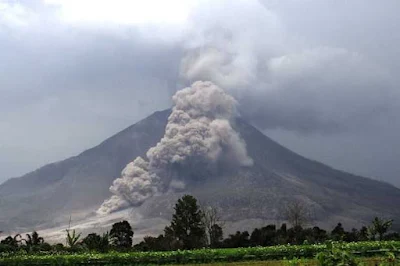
(135, 185)
(279, 80)
(198, 132)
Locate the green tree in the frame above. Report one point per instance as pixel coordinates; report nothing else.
(34, 239)
(187, 225)
(94, 241)
(216, 236)
(12, 241)
(338, 232)
(282, 235)
(213, 226)
(265, 236)
(121, 235)
(380, 227)
(91, 241)
(72, 238)
(240, 239)
(319, 235)
(149, 243)
(58, 247)
(296, 235)
(363, 234)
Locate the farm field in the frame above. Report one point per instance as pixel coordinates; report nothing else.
(309, 262)
(368, 252)
(301, 262)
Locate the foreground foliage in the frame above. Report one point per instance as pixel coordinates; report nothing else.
(289, 252)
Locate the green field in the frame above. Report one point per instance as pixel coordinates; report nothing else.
(303, 262)
(274, 255)
(309, 262)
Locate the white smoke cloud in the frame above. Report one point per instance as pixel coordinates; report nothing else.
(279, 80)
(198, 131)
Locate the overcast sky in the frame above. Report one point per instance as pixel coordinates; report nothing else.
(320, 77)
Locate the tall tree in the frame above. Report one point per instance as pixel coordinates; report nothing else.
(216, 236)
(187, 224)
(281, 235)
(12, 241)
(33, 240)
(265, 236)
(338, 232)
(213, 224)
(363, 234)
(380, 227)
(297, 213)
(121, 235)
(319, 235)
(94, 241)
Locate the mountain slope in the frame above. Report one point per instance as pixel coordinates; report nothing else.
(78, 185)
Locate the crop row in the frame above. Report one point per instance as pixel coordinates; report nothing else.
(195, 256)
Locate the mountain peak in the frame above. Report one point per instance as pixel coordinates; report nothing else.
(79, 185)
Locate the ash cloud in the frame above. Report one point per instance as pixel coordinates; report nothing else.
(312, 69)
(280, 80)
(199, 132)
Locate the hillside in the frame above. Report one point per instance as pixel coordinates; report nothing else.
(46, 197)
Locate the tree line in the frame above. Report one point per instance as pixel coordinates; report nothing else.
(193, 227)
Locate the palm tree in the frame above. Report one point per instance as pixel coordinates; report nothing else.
(12, 241)
(33, 240)
(380, 227)
(72, 238)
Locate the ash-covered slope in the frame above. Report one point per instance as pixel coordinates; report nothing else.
(52, 193)
(79, 185)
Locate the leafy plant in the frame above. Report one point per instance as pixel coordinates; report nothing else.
(391, 258)
(33, 239)
(12, 241)
(335, 256)
(72, 238)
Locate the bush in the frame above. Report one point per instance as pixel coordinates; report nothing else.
(334, 256)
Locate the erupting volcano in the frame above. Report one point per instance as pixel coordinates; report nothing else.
(198, 134)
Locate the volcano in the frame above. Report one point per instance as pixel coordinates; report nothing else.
(77, 186)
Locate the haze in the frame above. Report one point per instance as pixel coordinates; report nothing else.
(320, 77)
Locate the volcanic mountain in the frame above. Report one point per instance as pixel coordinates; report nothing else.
(77, 186)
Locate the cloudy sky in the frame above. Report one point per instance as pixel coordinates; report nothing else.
(318, 76)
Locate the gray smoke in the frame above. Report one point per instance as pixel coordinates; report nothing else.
(279, 80)
(135, 185)
(199, 129)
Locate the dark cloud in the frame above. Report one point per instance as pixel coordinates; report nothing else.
(314, 72)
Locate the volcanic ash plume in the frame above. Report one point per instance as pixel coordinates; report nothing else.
(134, 186)
(198, 130)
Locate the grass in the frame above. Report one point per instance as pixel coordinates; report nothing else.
(303, 262)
